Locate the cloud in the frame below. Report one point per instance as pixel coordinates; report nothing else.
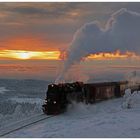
(37, 18)
(121, 32)
(29, 10)
(40, 10)
(48, 19)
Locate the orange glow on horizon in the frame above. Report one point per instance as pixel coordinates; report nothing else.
(115, 55)
(56, 55)
(24, 55)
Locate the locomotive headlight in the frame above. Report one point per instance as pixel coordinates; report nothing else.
(54, 102)
(45, 101)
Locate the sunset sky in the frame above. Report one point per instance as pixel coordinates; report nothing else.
(40, 33)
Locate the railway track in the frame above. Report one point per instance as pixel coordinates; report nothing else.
(22, 124)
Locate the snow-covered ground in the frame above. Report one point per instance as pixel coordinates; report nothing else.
(27, 100)
(20, 99)
(16, 111)
(105, 119)
(3, 90)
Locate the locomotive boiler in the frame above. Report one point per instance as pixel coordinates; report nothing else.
(58, 96)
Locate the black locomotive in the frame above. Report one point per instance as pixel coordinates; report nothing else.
(59, 96)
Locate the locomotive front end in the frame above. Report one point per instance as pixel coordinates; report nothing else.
(52, 101)
(59, 95)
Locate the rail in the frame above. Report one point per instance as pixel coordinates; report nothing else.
(22, 124)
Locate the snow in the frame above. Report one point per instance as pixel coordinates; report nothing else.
(105, 119)
(16, 109)
(21, 123)
(3, 90)
(27, 100)
(130, 99)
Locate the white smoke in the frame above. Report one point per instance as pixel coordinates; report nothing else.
(133, 78)
(121, 32)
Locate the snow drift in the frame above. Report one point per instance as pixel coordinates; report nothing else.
(131, 99)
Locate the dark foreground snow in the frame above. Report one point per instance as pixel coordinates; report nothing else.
(105, 119)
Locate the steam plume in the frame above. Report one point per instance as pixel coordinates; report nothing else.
(121, 32)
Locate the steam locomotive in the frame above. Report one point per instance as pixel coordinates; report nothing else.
(59, 96)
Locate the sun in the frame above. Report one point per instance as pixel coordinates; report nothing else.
(24, 55)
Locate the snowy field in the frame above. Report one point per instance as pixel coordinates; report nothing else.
(113, 118)
(20, 99)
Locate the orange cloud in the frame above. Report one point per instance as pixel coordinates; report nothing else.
(25, 43)
(114, 55)
(31, 43)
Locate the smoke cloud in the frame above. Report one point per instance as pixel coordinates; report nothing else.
(133, 78)
(121, 32)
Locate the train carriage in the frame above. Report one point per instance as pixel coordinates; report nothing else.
(60, 95)
(123, 86)
(100, 91)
